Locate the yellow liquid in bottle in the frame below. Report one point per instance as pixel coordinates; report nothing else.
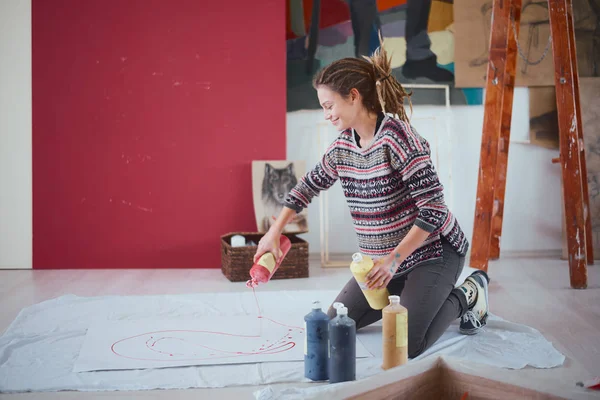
(395, 334)
(360, 267)
(267, 260)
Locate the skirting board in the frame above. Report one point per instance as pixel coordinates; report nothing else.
(343, 260)
(336, 260)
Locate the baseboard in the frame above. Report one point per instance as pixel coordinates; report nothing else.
(542, 253)
(346, 258)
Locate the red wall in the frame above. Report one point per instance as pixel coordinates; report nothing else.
(146, 117)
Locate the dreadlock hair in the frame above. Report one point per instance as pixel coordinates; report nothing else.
(371, 76)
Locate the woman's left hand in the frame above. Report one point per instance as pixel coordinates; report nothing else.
(382, 273)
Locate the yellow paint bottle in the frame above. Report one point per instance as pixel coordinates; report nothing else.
(395, 334)
(360, 267)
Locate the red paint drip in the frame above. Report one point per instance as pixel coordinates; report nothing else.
(284, 343)
(256, 298)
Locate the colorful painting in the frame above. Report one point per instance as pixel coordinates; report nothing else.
(418, 35)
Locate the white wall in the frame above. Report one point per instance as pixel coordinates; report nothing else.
(15, 134)
(532, 214)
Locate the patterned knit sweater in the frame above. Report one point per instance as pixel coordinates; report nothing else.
(389, 186)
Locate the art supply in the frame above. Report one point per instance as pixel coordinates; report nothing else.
(262, 271)
(316, 344)
(342, 347)
(395, 334)
(337, 305)
(238, 241)
(360, 267)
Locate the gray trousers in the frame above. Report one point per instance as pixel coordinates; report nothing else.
(364, 15)
(428, 294)
(418, 44)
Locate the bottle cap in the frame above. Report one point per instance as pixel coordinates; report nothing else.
(357, 257)
(337, 305)
(316, 305)
(394, 299)
(342, 311)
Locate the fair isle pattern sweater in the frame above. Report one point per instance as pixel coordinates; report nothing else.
(389, 186)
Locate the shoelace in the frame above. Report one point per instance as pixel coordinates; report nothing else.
(470, 316)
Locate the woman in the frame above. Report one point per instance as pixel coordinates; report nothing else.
(396, 202)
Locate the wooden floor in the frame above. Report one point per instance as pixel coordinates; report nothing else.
(529, 290)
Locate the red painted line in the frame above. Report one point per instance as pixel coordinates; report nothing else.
(283, 344)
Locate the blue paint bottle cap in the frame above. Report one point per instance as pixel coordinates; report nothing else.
(342, 311)
(316, 305)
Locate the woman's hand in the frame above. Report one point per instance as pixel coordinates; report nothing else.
(269, 243)
(383, 271)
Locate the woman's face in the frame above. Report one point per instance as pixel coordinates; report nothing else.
(340, 111)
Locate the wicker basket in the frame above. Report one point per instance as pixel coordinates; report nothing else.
(237, 261)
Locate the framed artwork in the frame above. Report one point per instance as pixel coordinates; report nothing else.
(271, 183)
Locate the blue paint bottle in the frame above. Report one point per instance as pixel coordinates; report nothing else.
(342, 347)
(316, 338)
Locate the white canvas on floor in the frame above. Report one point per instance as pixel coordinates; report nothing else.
(39, 349)
(118, 345)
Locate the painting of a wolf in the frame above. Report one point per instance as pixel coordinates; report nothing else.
(277, 181)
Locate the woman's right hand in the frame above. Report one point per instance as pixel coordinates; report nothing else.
(269, 243)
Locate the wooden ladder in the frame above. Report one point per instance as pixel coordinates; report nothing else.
(491, 182)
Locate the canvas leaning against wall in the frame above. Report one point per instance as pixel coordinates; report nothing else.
(543, 123)
(419, 40)
(590, 119)
(271, 182)
(535, 62)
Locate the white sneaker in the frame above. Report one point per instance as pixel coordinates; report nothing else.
(475, 288)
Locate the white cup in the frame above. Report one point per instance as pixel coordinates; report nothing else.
(238, 241)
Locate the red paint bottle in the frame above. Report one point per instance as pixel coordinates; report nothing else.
(265, 267)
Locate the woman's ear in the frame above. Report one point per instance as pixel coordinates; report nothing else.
(354, 94)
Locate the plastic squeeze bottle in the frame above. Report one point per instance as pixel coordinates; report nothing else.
(337, 305)
(342, 347)
(395, 334)
(360, 267)
(262, 271)
(316, 342)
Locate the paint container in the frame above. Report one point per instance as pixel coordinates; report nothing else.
(337, 305)
(238, 241)
(360, 267)
(395, 334)
(262, 271)
(316, 344)
(342, 347)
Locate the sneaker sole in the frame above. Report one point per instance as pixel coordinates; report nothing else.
(475, 330)
(485, 316)
(484, 274)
